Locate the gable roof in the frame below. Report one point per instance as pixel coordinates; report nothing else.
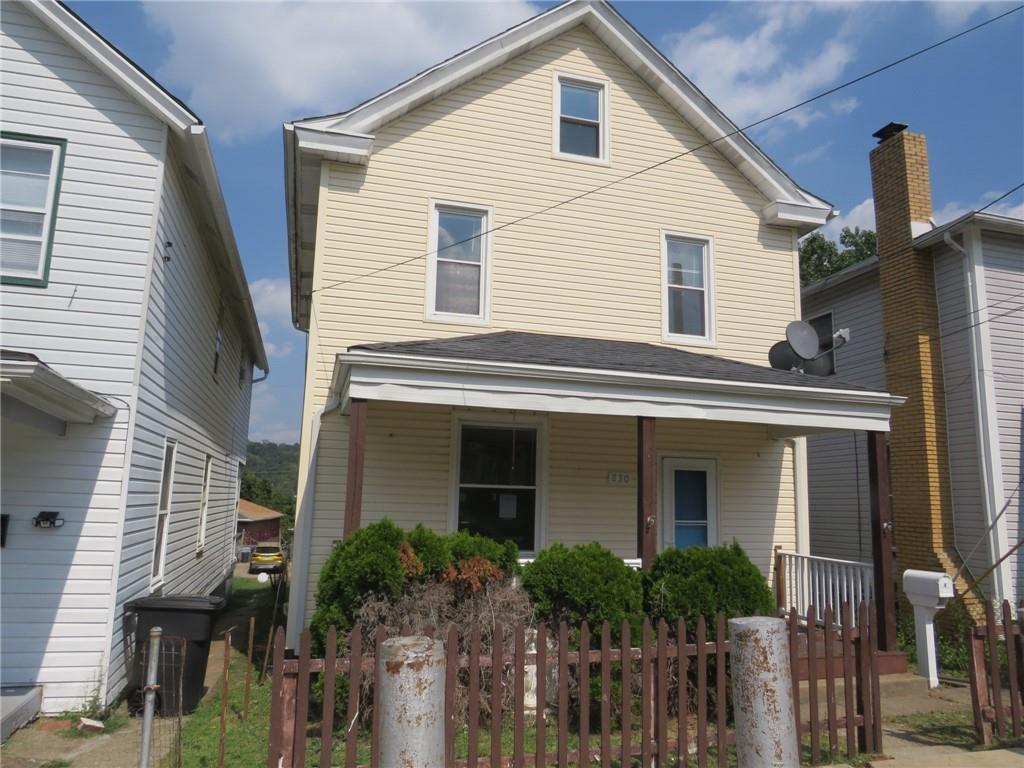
(185, 126)
(348, 136)
(250, 511)
(602, 354)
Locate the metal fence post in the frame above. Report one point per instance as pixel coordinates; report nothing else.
(762, 688)
(411, 680)
(150, 688)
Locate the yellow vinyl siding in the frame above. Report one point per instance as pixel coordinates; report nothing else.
(408, 478)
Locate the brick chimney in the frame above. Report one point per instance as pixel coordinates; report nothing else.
(919, 461)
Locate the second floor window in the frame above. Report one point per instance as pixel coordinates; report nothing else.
(688, 302)
(460, 244)
(30, 170)
(582, 119)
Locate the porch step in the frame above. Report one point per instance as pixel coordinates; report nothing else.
(19, 705)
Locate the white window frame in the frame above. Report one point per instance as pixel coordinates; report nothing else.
(832, 325)
(204, 502)
(604, 112)
(709, 337)
(56, 148)
(505, 420)
(668, 466)
(483, 317)
(160, 557)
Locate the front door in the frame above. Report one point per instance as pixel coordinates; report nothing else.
(689, 503)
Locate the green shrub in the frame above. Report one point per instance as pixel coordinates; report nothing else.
(586, 583)
(432, 549)
(464, 546)
(705, 581)
(367, 564)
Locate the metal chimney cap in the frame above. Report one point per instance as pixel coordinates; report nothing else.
(888, 131)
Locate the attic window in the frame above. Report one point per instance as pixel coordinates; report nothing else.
(581, 111)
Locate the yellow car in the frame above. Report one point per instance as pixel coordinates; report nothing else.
(266, 558)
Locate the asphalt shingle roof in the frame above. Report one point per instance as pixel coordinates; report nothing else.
(580, 352)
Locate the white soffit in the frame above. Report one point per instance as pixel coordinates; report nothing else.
(38, 386)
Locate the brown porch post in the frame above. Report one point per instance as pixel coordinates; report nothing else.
(647, 491)
(356, 458)
(882, 540)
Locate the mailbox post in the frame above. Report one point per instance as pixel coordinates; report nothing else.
(927, 592)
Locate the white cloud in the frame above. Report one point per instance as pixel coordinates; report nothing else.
(753, 75)
(954, 209)
(861, 215)
(953, 13)
(845, 106)
(247, 67)
(268, 420)
(272, 299)
(815, 153)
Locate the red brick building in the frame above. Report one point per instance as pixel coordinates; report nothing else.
(257, 523)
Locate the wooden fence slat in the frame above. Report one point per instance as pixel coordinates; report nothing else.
(327, 718)
(301, 701)
(606, 693)
(276, 699)
(876, 686)
(497, 670)
(863, 671)
(583, 673)
(683, 704)
(451, 682)
(722, 691)
(519, 724)
(702, 694)
(542, 693)
(355, 682)
(473, 748)
(794, 664)
(1011, 661)
(812, 685)
(848, 711)
(378, 640)
(979, 687)
(830, 683)
(995, 679)
(661, 685)
(563, 695)
(646, 694)
(248, 669)
(627, 699)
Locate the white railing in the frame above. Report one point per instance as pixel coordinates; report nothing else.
(802, 581)
(633, 562)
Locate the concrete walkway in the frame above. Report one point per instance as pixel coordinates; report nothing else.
(906, 750)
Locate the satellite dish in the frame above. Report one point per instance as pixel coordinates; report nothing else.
(819, 366)
(803, 339)
(782, 356)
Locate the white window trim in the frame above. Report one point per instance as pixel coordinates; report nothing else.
(155, 582)
(709, 339)
(484, 315)
(668, 465)
(204, 501)
(533, 421)
(51, 204)
(832, 315)
(557, 78)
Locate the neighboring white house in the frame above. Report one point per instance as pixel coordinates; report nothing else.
(129, 340)
(970, 454)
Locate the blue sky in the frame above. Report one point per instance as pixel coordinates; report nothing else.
(247, 67)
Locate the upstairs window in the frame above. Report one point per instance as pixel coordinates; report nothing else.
(204, 503)
(581, 110)
(822, 324)
(459, 245)
(688, 304)
(163, 512)
(30, 171)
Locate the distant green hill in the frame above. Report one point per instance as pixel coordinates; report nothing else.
(270, 477)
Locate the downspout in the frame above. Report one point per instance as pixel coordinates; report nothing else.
(297, 587)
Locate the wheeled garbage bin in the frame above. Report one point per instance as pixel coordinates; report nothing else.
(191, 618)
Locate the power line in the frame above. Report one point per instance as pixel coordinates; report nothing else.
(680, 155)
(1000, 198)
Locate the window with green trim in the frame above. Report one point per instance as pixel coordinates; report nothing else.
(30, 172)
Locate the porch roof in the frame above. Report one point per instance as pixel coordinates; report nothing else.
(54, 400)
(541, 372)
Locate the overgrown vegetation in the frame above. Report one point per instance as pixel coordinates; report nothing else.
(269, 479)
(821, 257)
(951, 627)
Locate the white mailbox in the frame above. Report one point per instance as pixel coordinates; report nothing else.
(928, 592)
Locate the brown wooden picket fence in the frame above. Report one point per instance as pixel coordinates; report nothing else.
(658, 722)
(989, 670)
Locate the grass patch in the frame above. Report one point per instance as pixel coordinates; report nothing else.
(113, 719)
(58, 763)
(954, 729)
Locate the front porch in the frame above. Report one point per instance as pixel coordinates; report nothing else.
(550, 439)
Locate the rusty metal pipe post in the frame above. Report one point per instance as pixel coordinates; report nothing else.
(149, 694)
(762, 690)
(411, 680)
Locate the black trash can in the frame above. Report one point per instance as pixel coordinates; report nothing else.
(190, 617)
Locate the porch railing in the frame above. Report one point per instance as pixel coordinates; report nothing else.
(802, 581)
(633, 562)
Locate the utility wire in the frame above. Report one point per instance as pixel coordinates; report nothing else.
(634, 174)
(1000, 198)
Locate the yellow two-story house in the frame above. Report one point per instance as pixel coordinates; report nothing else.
(540, 281)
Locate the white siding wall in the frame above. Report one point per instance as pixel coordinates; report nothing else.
(408, 478)
(180, 398)
(1004, 282)
(838, 487)
(958, 376)
(56, 584)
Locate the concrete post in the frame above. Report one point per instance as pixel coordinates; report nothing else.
(762, 691)
(410, 673)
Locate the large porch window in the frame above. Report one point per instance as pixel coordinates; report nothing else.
(497, 482)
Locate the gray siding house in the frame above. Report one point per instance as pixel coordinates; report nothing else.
(128, 345)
